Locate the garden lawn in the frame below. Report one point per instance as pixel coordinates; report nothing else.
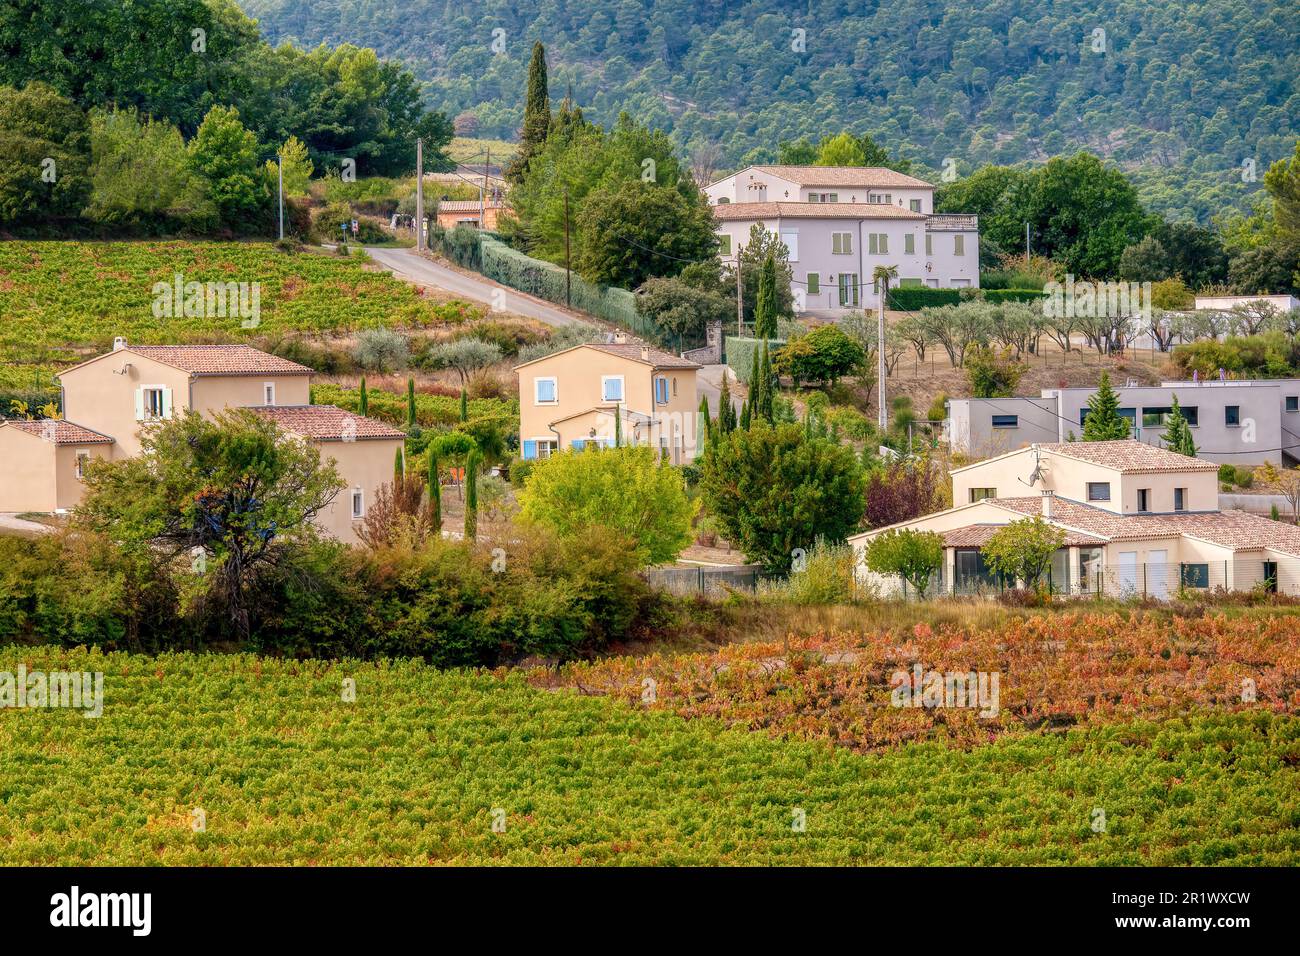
(287, 772)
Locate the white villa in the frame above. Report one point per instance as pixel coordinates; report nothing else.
(840, 222)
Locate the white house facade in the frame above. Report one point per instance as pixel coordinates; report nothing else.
(839, 223)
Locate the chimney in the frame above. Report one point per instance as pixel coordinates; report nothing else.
(645, 354)
(119, 343)
(1047, 504)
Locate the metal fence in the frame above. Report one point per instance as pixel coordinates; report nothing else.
(703, 580)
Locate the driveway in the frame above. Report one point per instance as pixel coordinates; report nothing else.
(708, 381)
(425, 272)
(13, 523)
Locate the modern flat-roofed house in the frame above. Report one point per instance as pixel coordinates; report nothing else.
(839, 223)
(572, 398)
(1137, 520)
(1237, 422)
(110, 401)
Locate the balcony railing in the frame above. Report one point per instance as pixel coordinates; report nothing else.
(955, 222)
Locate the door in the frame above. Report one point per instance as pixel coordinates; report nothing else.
(1157, 575)
(848, 290)
(1126, 578)
(1270, 577)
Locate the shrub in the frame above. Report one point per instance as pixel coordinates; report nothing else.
(824, 355)
(992, 374)
(381, 350)
(825, 578)
(913, 555)
(329, 223)
(1243, 476)
(1227, 474)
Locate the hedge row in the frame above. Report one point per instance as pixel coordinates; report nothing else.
(912, 298)
(740, 354)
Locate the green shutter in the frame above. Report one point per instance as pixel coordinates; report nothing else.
(814, 283)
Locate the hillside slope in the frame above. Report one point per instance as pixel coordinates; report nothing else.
(1180, 94)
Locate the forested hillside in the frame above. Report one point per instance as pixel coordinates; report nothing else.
(1179, 93)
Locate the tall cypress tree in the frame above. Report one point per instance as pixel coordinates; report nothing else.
(704, 431)
(399, 467)
(618, 426)
(364, 406)
(725, 411)
(765, 306)
(1178, 433)
(410, 403)
(471, 495)
(435, 492)
(1104, 422)
(464, 405)
(767, 404)
(537, 118)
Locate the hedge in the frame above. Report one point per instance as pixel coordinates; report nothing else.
(740, 354)
(912, 298)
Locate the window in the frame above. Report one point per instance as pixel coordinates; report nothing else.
(538, 448)
(1293, 403)
(1099, 491)
(268, 393)
(1232, 415)
(959, 245)
(152, 402)
(979, 494)
(823, 197)
(929, 246)
(1144, 499)
(877, 244)
(961, 283)
(909, 245)
(358, 503)
(545, 391)
(848, 289)
(791, 241)
(814, 283)
(1180, 499)
(1129, 413)
(1196, 575)
(841, 243)
(1159, 417)
(1089, 567)
(910, 283)
(880, 199)
(914, 205)
(1006, 421)
(611, 388)
(724, 201)
(724, 245)
(661, 390)
(82, 458)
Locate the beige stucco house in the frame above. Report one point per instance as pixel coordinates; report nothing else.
(110, 401)
(1137, 520)
(572, 398)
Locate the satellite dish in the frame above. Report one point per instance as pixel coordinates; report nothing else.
(1039, 472)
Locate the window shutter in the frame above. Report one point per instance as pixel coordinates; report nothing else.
(884, 244)
(578, 443)
(928, 249)
(139, 404)
(530, 450)
(873, 244)
(909, 244)
(166, 403)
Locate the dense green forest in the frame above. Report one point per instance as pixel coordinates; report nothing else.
(1180, 94)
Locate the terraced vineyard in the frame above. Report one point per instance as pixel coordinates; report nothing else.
(419, 767)
(61, 301)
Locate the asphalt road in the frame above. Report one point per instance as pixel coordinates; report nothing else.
(425, 272)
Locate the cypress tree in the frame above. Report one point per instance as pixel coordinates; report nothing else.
(464, 404)
(435, 492)
(537, 118)
(1104, 422)
(1178, 433)
(725, 411)
(746, 414)
(765, 306)
(410, 403)
(471, 494)
(618, 426)
(705, 430)
(399, 467)
(364, 407)
(767, 404)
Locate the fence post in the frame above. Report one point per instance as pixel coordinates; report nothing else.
(699, 577)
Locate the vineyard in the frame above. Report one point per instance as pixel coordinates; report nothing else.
(220, 760)
(63, 301)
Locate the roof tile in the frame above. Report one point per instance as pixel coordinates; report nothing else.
(1127, 455)
(812, 210)
(326, 422)
(61, 432)
(220, 359)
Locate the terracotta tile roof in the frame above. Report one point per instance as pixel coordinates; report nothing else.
(655, 357)
(977, 535)
(1127, 455)
(62, 433)
(326, 422)
(1236, 530)
(220, 359)
(861, 176)
(811, 210)
(465, 205)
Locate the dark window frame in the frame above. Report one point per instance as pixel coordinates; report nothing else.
(1093, 496)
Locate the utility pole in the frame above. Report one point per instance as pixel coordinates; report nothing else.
(568, 272)
(419, 195)
(279, 161)
(1026, 242)
(482, 196)
(880, 355)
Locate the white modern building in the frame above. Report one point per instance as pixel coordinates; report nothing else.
(1237, 422)
(839, 223)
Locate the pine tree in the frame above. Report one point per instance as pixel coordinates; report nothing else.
(765, 306)
(364, 407)
(1178, 433)
(471, 495)
(1104, 422)
(435, 492)
(410, 403)
(537, 118)
(464, 405)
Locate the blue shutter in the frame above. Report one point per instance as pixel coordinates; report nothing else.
(578, 443)
(530, 450)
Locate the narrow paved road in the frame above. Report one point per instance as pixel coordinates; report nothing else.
(425, 272)
(709, 384)
(12, 523)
